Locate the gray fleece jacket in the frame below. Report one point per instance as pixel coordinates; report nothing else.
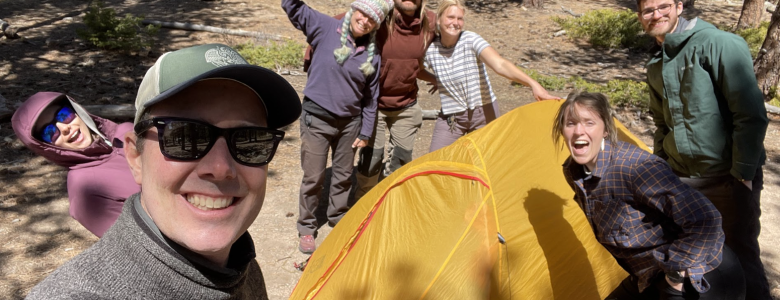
(133, 261)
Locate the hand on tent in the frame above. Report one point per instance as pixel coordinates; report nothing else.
(541, 94)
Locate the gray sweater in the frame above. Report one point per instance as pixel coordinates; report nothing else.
(132, 261)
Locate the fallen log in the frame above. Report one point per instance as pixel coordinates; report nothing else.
(126, 111)
(197, 27)
(430, 114)
(112, 111)
(772, 109)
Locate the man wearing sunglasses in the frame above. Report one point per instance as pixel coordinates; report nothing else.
(710, 125)
(206, 128)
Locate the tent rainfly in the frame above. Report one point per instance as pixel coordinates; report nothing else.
(488, 217)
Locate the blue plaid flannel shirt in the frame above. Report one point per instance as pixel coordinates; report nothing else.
(648, 219)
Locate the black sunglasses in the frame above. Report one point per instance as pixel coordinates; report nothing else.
(187, 139)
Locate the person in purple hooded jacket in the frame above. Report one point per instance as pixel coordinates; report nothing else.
(54, 126)
(339, 107)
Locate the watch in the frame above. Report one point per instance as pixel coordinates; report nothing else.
(676, 276)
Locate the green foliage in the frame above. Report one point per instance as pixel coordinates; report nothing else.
(106, 30)
(552, 83)
(754, 37)
(288, 54)
(628, 93)
(775, 94)
(621, 92)
(607, 28)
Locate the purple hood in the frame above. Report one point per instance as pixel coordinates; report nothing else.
(101, 149)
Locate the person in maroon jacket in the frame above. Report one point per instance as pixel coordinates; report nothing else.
(407, 34)
(402, 41)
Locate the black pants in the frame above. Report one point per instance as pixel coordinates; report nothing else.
(726, 283)
(740, 208)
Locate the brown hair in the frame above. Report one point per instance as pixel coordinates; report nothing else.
(595, 102)
(443, 6)
(426, 22)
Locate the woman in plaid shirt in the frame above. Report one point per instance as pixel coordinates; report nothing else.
(665, 234)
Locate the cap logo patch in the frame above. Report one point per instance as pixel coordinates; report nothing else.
(224, 56)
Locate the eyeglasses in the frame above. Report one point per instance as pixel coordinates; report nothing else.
(187, 139)
(50, 132)
(663, 10)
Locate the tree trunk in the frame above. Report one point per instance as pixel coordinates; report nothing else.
(767, 64)
(751, 14)
(536, 3)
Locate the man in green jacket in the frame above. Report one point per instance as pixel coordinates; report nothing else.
(710, 122)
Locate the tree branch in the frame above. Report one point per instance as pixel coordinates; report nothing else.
(571, 12)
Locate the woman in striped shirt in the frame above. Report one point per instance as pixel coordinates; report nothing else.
(457, 58)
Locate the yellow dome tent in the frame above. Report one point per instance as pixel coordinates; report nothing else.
(488, 217)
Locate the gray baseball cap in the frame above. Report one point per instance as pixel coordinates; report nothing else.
(177, 70)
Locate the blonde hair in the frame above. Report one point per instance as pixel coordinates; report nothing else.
(426, 22)
(595, 102)
(443, 6)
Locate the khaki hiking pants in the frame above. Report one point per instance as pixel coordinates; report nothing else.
(402, 126)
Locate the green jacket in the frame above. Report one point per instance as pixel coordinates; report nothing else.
(709, 113)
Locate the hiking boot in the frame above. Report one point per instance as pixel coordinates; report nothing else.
(307, 245)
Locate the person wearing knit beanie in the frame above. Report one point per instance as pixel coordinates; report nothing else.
(339, 105)
(370, 13)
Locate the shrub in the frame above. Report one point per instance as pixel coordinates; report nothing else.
(775, 94)
(106, 30)
(628, 93)
(553, 83)
(607, 28)
(287, 54)
(621, 92)
(754, 37)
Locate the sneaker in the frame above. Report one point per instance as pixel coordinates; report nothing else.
(307, 245)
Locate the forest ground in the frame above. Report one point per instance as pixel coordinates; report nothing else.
(36, 233)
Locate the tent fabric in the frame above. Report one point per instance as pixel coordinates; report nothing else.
(488, 217)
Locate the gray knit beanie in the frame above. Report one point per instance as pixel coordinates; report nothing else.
(374, 9)
(377, 10)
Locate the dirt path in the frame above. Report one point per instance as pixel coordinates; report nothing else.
(36, 233)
